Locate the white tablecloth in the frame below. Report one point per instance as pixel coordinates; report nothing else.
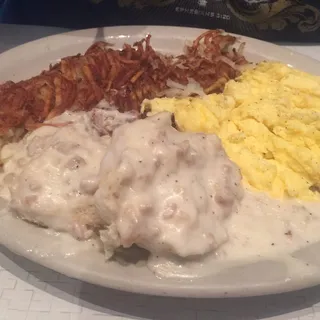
(31, 292)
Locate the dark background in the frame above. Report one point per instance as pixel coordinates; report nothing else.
(211, 14)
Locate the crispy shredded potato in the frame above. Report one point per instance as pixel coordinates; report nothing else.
(123, 77)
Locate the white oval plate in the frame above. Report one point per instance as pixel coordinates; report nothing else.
(53, 251)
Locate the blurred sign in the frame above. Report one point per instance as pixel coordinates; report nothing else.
(290, 20)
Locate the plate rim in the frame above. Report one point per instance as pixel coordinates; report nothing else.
(149, 29)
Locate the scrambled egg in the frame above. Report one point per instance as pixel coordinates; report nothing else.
(269, 123)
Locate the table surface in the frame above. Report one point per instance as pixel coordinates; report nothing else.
(31, 292)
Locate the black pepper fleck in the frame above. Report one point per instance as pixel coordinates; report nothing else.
(288, 233)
